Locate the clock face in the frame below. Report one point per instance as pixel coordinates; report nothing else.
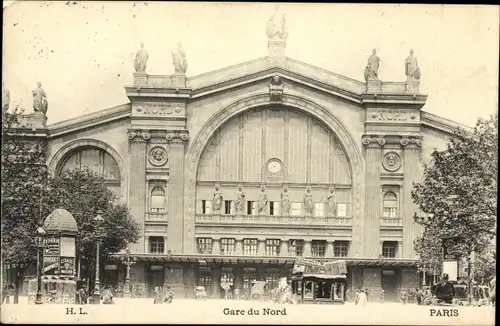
(274, 167)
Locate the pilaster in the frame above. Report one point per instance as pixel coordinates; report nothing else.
(373, 154)
(261, 247)
(411, 174)
(307, 248)
(216, 247)
(216, 273)
(238, 247)
(137, 142)
(329, 249)
(284, 247)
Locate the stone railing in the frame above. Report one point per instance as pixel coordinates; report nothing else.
(156, 216)
(391, 221)
(269, 219)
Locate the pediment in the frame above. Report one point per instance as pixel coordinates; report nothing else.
(263, 69)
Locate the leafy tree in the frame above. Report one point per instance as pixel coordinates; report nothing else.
(84, 194)
(24, 173)
(429, 249)
(459, 192)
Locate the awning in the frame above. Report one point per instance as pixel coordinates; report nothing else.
(324, 276)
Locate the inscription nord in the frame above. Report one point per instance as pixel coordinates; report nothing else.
(156, 109)
(392, 115)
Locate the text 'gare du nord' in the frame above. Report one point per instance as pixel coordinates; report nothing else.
(236, 172)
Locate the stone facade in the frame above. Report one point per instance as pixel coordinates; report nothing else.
(180, 137)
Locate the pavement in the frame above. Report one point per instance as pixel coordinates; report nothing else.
(190, 311)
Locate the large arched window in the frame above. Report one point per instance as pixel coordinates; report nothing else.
(390, 204)
(157, 199)
(98, 161)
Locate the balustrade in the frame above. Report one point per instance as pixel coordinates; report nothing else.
(271, 219)
(391, 221)
(156, 216)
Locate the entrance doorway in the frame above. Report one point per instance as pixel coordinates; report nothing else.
(390, 284)
(156, 277)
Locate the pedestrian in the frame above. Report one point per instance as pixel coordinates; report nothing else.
(348, 295)
(362, 298)
(403, 295)
(356, 298)
(5, 294)
(420, 296)
(366, 294)
(107, 296)
(382, 296)
(157, 295)
(169, 295)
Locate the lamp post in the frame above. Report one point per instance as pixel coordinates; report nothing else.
(40, 232)
(97, 291)
(128, 263)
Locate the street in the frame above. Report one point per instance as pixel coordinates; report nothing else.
(245, 312)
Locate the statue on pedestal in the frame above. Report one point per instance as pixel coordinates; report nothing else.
(277, 30)
(308, 201)
(141, 60)
(332, 204)
(285, 202)
(371, 71)
(262, 199)
(5, 99)
(179, 60)
(240, 200)
(217, 199)
(412, 70)
(40, 103)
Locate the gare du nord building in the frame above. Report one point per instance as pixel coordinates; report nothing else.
(235, 173)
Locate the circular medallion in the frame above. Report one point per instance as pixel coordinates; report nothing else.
(391, 161)
(158, 156)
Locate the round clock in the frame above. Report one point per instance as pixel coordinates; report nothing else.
(274, 167)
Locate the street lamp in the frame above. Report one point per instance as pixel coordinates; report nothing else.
(40, 232)
(97, 292)
(128, 262)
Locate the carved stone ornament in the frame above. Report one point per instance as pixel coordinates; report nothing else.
(366, 141)
(391, 162)
(276, 89)
(417, 141)
(404, 141)
(131, 135)
(158, 156)
(381, 141)
(177, 135)
(145, 135)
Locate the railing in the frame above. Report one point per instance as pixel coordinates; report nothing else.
(391, 221)
(156, 216)
(269, 219)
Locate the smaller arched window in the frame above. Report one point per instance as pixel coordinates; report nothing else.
(158, 199)
(390, 205)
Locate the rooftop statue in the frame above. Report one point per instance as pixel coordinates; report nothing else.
(371, 72)
(179, 60)
(40, 103)
(412, 70)
(141, 60)
(276, 29)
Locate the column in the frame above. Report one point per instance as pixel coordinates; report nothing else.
(411, 230)
(137, 197)
(399, 250)
(189, 281)
(238, 278)
(329, 249)
(261, 251)
(148, 245)
(284, 247)
(373, 153)
(165, 247)
(382, 246)
(177, 237)
(215, 246)
(239, 247)
(215, 271)
(307, 248)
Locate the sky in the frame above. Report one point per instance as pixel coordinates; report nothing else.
(83, 52)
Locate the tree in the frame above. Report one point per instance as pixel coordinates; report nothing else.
(24, 173)
(84, 194)
(459, 192)
(429, 250)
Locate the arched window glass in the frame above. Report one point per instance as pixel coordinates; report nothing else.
(97, 160)
(158, 199)
(390, 205)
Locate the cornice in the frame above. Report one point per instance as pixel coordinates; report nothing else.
(90, 120)
(442, 124)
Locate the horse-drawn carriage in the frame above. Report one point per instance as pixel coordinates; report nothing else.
(259, 291)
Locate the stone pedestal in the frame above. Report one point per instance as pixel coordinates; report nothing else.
(374, 86)
(412, 85)
(276, 48)
(179, 81)
(140, 78)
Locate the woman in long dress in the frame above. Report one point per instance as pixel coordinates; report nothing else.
(362, 300)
